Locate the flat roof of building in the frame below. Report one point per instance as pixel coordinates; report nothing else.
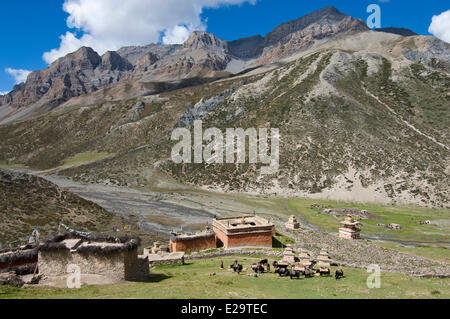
(187, 236)
(242, 222)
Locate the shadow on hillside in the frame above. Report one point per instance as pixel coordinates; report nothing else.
(153, 278)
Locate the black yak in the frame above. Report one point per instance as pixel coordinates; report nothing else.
(324, 271)
(258, 268)
(339, 274)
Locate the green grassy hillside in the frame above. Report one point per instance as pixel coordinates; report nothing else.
(28, 201)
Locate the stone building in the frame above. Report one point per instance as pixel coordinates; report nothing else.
(324, 259)
(160, 254)
(289, 255)
(157, 247)
(192, 242)
(114, 258)
(292, 223)
(350, 228)
(245, 231)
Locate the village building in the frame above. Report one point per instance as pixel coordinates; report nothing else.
(157, 248)
(114, 258)
(350, 228)
(160, 254)
(292, 223)
(245, 231)
(192, 242)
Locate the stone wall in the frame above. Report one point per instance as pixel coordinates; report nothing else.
(118, 266)
(237, 251)
(143, 268)
(169, 259)
(28, 260)
(54, 263)
(194, 244)
(249, 239)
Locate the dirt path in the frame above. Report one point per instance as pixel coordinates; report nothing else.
(398, 116)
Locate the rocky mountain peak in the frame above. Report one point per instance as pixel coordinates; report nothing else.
(320, 19)
(113, 61)
(202, 40)
(84, 58)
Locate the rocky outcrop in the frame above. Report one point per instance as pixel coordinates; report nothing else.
(246, 48)
(146, 62)
(134, 53)
(203, 107)
(204, 40)
(112, 61)
(67, 77)
(436, 53)
(305, 32)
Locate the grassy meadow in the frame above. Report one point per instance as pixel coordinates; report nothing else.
(194, 281)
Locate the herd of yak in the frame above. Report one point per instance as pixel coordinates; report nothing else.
(282, 269)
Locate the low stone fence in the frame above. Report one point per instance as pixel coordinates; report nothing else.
(231, 252)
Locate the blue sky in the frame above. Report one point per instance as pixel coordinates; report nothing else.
(30, 28)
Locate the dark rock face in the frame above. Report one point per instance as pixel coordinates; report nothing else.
(112, 61)
(247, 48)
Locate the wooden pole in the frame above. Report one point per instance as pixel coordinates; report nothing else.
(35, 269)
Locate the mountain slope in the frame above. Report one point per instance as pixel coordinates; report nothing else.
(363, 116)
(28, 201)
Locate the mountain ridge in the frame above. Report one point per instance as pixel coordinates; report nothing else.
(201, 55)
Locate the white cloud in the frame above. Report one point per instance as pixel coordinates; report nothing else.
(3, 93)
(110, 24)
(440, 26)
(19, 75)
(178, 34)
